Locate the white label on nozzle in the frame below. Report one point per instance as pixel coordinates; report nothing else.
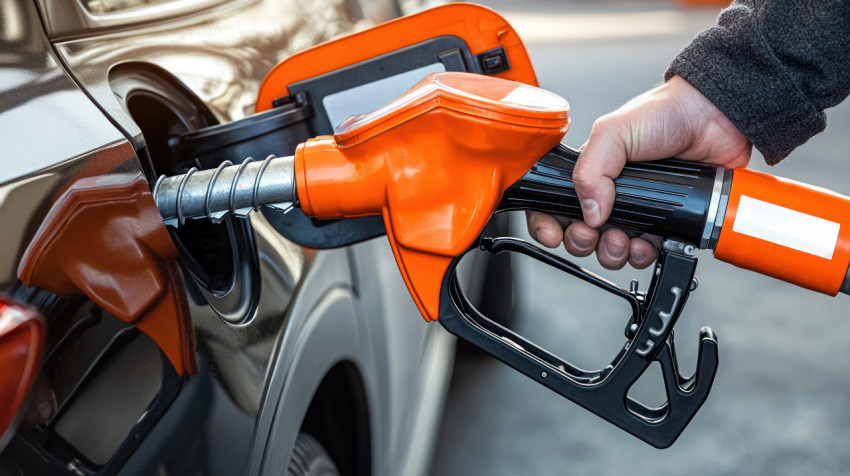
(786, 227)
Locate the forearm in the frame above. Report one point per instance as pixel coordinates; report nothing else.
(772, 67)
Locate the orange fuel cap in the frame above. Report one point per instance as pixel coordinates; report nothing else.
(104, 238)
(434, 163)
(479, 27)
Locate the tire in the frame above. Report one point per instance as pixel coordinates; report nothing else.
(309, 458)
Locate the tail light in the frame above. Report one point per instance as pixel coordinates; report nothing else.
(22, 336)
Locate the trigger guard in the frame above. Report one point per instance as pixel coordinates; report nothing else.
(603, 392)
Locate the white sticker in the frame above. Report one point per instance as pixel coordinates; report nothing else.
(370, 96)
(786, 227)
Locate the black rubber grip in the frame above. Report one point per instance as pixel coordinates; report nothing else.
(667, 197)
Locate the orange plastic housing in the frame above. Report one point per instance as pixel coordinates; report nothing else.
(799, 209)
(104, 238)
(435, 163)
(481, 28)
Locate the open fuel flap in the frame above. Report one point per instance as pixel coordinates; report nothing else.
(313, 91)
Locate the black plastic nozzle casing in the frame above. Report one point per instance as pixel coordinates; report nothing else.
(669, 198)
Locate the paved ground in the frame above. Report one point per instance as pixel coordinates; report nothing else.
(780, 399)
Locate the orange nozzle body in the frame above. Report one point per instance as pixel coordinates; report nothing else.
(434, 163)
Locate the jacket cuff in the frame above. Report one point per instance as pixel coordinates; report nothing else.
(740, 75)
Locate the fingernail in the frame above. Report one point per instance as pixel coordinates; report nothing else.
(639, 255)
(580, 240)
(545, 236)
(590, 211)
(45, 410)
(615, 249)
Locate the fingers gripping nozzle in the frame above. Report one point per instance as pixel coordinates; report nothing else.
(230, 188)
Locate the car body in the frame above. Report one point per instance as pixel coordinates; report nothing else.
(289, 340)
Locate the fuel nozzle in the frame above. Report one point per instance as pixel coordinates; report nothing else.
(230, 188)
(438, 161)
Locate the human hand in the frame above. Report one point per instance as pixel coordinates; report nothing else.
(671, 120)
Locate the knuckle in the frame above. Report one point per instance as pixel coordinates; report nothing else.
(605, 125)
(584, 177)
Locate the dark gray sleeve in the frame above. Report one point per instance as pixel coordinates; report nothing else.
(772, 67)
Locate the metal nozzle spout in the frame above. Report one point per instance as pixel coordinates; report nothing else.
(235, 189)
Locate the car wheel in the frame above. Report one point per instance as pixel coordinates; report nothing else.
(309, 458)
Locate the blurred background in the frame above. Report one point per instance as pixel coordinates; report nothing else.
(779, 404)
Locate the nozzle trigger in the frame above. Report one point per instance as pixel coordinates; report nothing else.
(605, 392)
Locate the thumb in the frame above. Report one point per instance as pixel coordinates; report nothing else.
(601, 161)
